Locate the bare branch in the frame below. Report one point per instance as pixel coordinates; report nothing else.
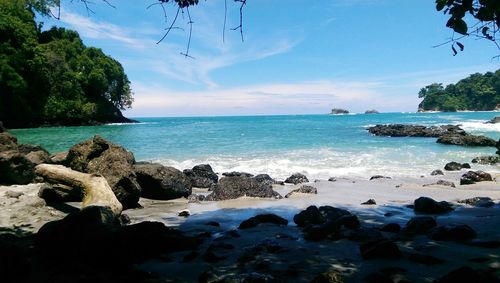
(171, 25)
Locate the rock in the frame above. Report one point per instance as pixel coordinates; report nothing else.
(425, 259)
(184, 213)
(419, 225)
(264, 178)
(12, 194)
(113, 162)
(162, 182)
(466, 274)
(478, 201)
(472, 177)
(237, 174)
(332, 179)
(466, 140)
(494, 120)
(16, 168)
(235, 187)
(437, 172)
(400, 130)
(391, 228)
(297, 178)
(441, 183)
(201, 176)
(309, 216)
(427, 205)
(59, 158)
(7, 142)
(263, 218)
(369, 202)
(364, 235)
(371, 111)
(486, 160)
(339, 111)
(58, 193)
(303, 190)
(380, 249)
(328, 277)
(455, 166)
(452, 232)
(194, 198)
(375, 177)
(323, 222)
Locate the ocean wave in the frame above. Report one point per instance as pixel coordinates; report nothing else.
(479, 126)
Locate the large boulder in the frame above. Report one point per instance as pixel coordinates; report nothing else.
(455, 166)
(16, 168)
(162, 182)
(263, 218)
(466, 140)
(419, 225)
(297, 178)
(7, 142)
(381, 248)
(487, 160)
(336, 111)
(202, 176)
(239, 186)
(472, 177)
(427, 205)
(478, 202)
(113, 162)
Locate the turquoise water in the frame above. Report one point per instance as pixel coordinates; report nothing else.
(318, 145)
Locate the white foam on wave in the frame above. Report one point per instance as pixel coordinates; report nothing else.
(480, 126)
(131, 124)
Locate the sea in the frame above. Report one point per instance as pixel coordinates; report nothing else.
(319, 146)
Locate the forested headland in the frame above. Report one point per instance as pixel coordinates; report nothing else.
(478, 92)
(51, 78)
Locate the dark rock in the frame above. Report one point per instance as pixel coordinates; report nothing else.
(380, 249)
(264, 178)
(113, 162)
(323, 222)
(486, 160)
(425, 259)
(7, 142)
(328, 277)
(400, 130)
(391, 228)
(494, 120)
(263, 218)
(371, 111)
(202, 176)
(297, 178)
(332, 179)
(369, 202)
(478, 201)
(466, 140)
(162, 182)
(303, 190)
(235, 187)
(213, 223)
(184, 213)
(419, 225)
(16, 168)
(442, 183)
(455, 166)
(452, 232)
(437, 172)
(472, 177)
(237, 174)
(34, 153)
(195, 198)
(339, 111)
(427, 205)
(310, 215)
(59, 158)
(466, 274)
(57, 193)
(376, 177)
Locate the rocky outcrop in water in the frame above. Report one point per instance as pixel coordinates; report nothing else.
(466, 140)
(161, 182)
(202, 176)
(455, 166)
(336, 111)
(297, 178)
(427, 205)
(113, 162)
(303, 190)
(400, 130)
(371, 111)
(473, 177)
(486, 160)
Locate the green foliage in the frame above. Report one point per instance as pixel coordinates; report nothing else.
(478, 92)
(51, 76)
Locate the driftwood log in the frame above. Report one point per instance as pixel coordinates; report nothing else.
(96, 190)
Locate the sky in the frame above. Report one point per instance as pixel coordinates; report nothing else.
(296, 57)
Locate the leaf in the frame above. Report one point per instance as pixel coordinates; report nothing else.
(440, 4)
(460, 26)
(461, 46)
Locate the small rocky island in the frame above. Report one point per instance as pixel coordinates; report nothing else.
(337, 111)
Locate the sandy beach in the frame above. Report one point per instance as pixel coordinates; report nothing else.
(280, 253)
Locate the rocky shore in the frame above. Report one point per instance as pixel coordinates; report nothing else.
(197, 225)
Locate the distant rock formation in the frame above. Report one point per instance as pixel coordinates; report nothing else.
(336, 111)
(371, 111)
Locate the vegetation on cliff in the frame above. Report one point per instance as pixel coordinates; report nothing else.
(478, 92)
(51, 77)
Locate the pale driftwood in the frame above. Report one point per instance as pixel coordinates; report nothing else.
(96, 190)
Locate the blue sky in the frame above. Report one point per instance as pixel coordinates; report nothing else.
(298, 56)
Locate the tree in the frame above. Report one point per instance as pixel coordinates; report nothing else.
(477, 18)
